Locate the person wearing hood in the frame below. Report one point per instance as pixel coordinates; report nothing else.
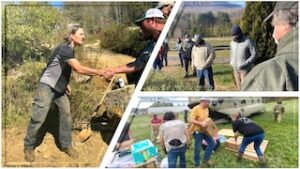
(242, 55)
(187, 46)
(281, 72)
(203, 56)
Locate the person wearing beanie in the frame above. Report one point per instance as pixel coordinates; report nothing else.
(187, 46)
(242, 55)
(203, 56)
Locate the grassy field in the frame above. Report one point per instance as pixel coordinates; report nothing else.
(214, 41)
(171, 78)
(282, 150)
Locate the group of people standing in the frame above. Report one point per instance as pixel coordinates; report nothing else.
(199, 55)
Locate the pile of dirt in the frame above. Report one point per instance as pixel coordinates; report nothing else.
(48, 154)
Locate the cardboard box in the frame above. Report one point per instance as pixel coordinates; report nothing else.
(249, 153)
(151, 163)
(143, 151)
(226, 132)
(212, 129)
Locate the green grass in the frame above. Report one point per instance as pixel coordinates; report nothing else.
(214, 41)
(171, 79)
(282, 150)
(224, 54)
(218, 41)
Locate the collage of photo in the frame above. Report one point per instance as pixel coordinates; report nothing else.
(150, 84)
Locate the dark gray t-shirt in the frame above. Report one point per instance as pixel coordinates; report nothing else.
(58, 71)
(246, 127)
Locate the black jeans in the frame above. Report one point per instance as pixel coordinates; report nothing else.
(187, 63)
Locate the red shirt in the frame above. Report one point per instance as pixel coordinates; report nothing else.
(156, 121)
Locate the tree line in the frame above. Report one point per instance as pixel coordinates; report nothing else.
(32, 29)
(219, 24)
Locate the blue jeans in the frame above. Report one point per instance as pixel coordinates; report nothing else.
(198, 142)
(157, 63)
(257, 139)
(43, 98)
(173, 154)
(208, 75)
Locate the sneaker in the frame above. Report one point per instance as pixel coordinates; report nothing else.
(29, 155)
(71, 152)
(202, 88)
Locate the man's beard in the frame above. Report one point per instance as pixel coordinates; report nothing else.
(147, 35)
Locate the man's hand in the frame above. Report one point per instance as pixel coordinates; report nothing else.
(108, 74)
(236, 134)
(68, 90)
(203, 124)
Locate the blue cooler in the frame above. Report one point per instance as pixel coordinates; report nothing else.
(142, 151)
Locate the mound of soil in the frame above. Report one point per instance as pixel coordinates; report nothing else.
(48, 154)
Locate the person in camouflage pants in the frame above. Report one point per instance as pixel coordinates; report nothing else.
(278, 110)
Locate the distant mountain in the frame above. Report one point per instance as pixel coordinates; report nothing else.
(191, 7)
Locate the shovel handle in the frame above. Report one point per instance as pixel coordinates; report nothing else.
(102, 99)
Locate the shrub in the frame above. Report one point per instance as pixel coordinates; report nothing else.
(18, 92)
(19, 88)
(122, 39)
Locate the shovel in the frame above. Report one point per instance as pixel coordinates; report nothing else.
(86, 133)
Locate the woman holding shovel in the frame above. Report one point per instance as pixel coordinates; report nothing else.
(54, 87)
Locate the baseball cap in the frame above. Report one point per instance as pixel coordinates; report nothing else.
(204, 99)
(282, 5)
(164, 3)
(151, 13)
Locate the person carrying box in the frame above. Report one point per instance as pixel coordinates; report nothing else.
(199, 119)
